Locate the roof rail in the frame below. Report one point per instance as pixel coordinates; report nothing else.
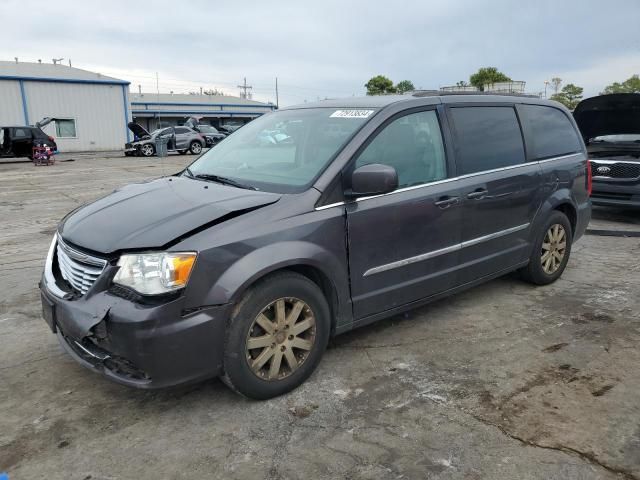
(439, 93)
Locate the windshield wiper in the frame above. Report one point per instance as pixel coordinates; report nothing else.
(220, 179)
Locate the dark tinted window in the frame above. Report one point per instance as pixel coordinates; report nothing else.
(487, 138)
(548, 132)
(182, 130)
(411, 144)
(22, 133)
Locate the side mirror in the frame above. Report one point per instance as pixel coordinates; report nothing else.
(373, 179)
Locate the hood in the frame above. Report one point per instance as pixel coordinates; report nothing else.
(608, 115)
(153, 214)
(138, 130)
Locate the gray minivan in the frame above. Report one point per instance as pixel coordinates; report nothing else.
(246, 263)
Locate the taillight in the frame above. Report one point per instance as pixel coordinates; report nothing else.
(589, 178)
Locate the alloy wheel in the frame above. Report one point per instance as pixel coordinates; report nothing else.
(280, 339)
(147, 150)
(196, 148)
(554, 247)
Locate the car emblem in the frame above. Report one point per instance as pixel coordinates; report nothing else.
(603, 170)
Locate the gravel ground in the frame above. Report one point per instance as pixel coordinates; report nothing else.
(505, 381)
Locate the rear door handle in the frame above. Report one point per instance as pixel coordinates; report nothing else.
(477, 194)
(446, 202)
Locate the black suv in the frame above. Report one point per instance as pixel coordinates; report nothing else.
(245, 263)
(610, 125)
(19, 141)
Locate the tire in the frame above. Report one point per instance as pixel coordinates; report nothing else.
(195, 148)
(147, 150)
(543, 270)
(244, 371)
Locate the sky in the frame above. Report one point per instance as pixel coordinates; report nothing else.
(328, 48)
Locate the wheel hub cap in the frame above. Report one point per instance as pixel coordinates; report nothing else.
(554, 247)
(280, 339)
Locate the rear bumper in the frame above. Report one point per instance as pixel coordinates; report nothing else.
(136, 345)
(583, 217)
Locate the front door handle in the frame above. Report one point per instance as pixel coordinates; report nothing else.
(446, 202)
(477, 194)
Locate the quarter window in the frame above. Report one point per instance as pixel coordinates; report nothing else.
(548, 132)
(66, 128)
(487, 138)
(22, 133)
(411, 144)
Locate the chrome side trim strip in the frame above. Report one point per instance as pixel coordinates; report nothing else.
(410, 260)
(561, 157)
(491, 236)
(452, 179)
(331, 205)
(442, 251)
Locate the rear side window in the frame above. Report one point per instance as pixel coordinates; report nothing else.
(182, 130)
(487, 138)
(548, 132)
(22, 133)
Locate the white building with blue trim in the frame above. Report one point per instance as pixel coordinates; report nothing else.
(92, 109)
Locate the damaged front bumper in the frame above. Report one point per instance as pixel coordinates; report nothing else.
(144, 346)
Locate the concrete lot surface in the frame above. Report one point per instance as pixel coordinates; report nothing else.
(505, 381)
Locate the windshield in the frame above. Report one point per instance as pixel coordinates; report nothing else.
(207, 129)
(624, 137)
(282, 151)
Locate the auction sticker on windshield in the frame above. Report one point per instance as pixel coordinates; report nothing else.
(351, 113)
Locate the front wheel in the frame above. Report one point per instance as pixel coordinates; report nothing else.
(147, 150)
(277, 336)
(195, 148)
(551, 251)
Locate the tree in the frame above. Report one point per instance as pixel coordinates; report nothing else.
(555, 84)
(569, 96)
(487, 75)
(404, 86)
(462, 83)
(379, 85)
(211, 92)
(630, 85)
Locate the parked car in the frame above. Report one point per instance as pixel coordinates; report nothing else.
(610, 126)
(210, 134)
(179, 139)
(19, 141)
(246, 263)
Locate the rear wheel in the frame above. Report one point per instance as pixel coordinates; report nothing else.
(195, 148)
(551, 251)
(147, 150)
(277, 336)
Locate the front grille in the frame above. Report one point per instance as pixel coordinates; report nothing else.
(127, 145)
(78, 269)
(625, 170)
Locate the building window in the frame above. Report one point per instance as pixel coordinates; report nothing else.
(66, 128)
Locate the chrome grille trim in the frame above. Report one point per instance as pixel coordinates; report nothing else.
(78, 269)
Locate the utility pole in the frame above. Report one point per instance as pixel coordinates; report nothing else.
(277, 100)
(244, 89)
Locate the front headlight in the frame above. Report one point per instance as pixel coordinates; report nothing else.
(155, 273)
